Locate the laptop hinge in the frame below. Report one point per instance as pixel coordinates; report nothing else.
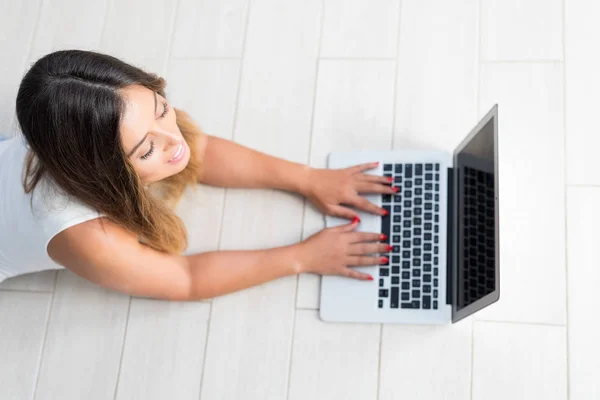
(450, 238)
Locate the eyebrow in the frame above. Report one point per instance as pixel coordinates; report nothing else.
(146, 135)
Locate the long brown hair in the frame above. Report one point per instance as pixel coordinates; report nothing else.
(69, 107)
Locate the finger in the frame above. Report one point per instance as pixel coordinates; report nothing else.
(358, 249)
(364, 260)
(350, 273)
(376, 179)
(343, 212)
(363, 167)
(350, 226)
(365, 187)
(366, 205)
(357, 237)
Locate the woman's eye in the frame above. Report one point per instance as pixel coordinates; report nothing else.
(149, 153)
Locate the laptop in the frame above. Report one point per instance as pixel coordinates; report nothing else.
(443, 226)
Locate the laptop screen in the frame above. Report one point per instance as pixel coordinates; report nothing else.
(475, 270)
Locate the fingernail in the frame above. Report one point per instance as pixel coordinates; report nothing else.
(385, 212)
(356, 219)
(389, 248)
(395, 189)
(384, 260)
(383, 236)
(370, 278)
(390, 179)
(377, 163)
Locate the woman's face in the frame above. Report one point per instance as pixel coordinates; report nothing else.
(150, 135)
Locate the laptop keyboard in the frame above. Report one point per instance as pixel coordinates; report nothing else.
(410, 278)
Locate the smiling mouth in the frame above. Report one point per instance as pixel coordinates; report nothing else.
(177, 153)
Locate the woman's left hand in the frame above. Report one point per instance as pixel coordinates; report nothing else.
(330, 189)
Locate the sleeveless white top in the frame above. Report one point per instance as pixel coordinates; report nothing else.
(25, 231)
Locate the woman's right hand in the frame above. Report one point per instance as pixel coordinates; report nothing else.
(331, 250)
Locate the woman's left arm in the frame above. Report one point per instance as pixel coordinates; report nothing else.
(229, 164)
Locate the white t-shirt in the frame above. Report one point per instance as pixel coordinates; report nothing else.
(25, 231)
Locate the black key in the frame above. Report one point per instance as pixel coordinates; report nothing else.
(417, 252)
(417, 241)
(406, 223)
(406, 234)
(426, 302)
(396, 218)
(418, 192)
(435, 271)
(380, 303)
(428, 196)
(418, 211)
(397, 209)
(426, 288)
(408, 194)
(417, 221)
(437, 187)
(416, 283)
(407, 203)
(385, 222)
(436, 238)
(426, 257)
(395, 249)
(387, 167)
(408, 171)
(428, 186)
(435, 293)
(395, 259)
(417, 262)
(427, 236)
(436, 229)
(407, 184)
(396, 239)
(405, 275)
(418, 201)
(398, 179)
(437, 177)
(386, 198)
(405, 286)
(437, 197)
(406, 305)
(383, 293)
(427, 226)
(428, 167)
(384, 272)
(436, 218)
(406, 244)
(437, 167)
(427, 267)
(398, 168)
(428, 177)
(418, 181)
(395, 280)
(406, 253)
(427, 216)
(435, 261)
(416, 273)
(427, 246)
(396, 228)
(416, 304)
(416, 293)
(387, 175)
(405, 264)
(417, 231)
(419, 169)
(435, 282)
(380, 282)
(407, 213)
(394, 298)
(397, 198)
(428, 207)
(405, 296)
(395, 269)
(435, 304)
(435, 250)
(426, 278)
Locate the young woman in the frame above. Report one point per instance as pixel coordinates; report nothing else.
(103, 159)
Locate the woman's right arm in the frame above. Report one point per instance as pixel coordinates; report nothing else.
(111, 257)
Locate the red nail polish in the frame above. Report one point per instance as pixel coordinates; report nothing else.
(390, 179)
(383, 237)
(385, 212)
(395, 189)
(384, 260)
(377, 163)
(356, 219)
(389, 248)
(370, 278)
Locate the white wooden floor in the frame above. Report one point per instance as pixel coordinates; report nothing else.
(298, 79)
